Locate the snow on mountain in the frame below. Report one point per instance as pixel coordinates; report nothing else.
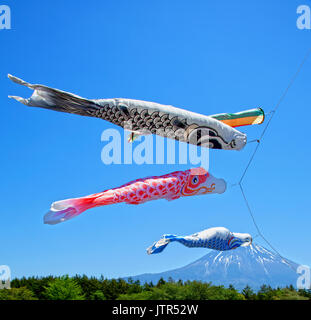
(253, 265)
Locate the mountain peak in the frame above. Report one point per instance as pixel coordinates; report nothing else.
(253, 265)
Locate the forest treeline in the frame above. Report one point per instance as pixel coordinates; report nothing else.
(91, 288)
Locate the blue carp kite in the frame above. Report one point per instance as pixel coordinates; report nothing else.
(218, 238)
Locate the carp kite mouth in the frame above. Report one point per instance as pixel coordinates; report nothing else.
(196, 191)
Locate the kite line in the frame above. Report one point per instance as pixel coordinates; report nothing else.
(256, 149)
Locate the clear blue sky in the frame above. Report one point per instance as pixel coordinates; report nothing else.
(205, 56)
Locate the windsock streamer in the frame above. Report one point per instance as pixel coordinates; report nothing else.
(243, 118)
(171, 186)
(218, 238)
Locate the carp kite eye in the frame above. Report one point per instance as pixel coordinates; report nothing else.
(195, 180)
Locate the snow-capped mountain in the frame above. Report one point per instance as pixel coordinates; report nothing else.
(253, 265)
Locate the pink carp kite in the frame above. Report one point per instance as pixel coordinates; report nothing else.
(171, 186)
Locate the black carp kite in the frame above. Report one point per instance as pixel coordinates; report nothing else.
(142, 117)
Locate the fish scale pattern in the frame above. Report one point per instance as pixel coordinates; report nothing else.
(143, 120)
(160, 123)
(152, 188)
(216, 243)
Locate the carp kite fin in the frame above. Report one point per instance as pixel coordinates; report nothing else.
(54, 99)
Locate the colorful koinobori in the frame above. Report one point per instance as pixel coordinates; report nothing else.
(214, 238)
(142, 117)
(171, 186)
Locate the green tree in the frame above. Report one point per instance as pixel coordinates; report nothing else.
(265, 293)
(63, 288)
(232, 294)
(148, 286)
(248, 293)
(145, 295)
(135, 287)
(113, 288)
(195, 290)
(161, 282)
(34, 284)
(98, 295)
(288, 294)
(305, 293)
(88, 285)
(83, 287)
(17, 294)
